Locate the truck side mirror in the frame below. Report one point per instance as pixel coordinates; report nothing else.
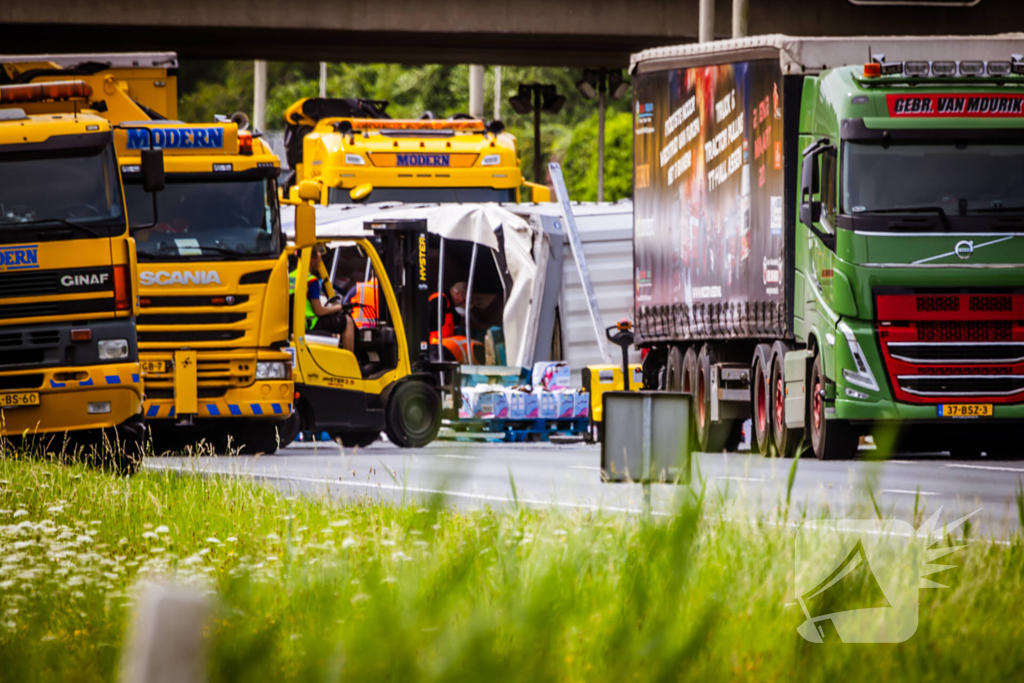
(810, 184)
(152, 161)
(309, 191)
(305, 226)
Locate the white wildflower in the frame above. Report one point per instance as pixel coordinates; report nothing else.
(359, 597)
(340, 522)
(232, 539)
(20, 513)
(148, 534)
(214, 540)
(162, 529)
(348, 542)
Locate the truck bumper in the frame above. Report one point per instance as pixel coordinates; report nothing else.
(265, 400)
(66, 394)
(885, 410)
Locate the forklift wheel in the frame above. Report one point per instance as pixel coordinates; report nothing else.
(413, 415)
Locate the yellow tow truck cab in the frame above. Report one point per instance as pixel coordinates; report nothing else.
(213, 322)
(68, 294)
(358, 153)
(213, 275)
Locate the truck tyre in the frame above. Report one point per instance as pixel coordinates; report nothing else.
(830, 439)
(761, 440)
(712, 437)
(258, 438)
(688, 383)
(674, 370)
(356, 439)
(786, 440)
(289, 428)
(413, 415)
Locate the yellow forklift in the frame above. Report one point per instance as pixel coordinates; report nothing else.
(388, 383)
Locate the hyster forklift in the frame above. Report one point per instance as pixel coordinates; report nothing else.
(389, 383)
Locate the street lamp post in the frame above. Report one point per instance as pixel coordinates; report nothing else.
(537, 98)
(599, 83)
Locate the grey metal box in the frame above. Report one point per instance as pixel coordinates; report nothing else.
(665, 417)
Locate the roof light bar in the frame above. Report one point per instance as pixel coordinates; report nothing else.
(998, 68)
(943, 68)
(972, 68)
(39, 92)
(917, 68)
(415, 124)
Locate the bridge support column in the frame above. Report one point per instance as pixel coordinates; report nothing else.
(476, 90)
(706, 21)
(259, 98)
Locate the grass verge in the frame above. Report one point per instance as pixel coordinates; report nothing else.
(307, 589)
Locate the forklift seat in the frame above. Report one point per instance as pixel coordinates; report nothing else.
(376, 350)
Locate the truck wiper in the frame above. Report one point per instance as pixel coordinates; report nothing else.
(913, 209)
(219, 250)
(60, 221)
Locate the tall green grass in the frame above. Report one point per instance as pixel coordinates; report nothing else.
(305, 588)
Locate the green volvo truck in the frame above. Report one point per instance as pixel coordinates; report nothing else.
(829, 239)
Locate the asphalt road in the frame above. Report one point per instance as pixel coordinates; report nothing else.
(568, 476)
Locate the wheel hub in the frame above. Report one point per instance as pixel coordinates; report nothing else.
(762, 407)
(780, 397)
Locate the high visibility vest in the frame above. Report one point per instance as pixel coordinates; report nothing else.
(311, 317)
(366, 294)
(448, 324)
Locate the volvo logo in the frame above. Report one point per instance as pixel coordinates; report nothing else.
(964, 249)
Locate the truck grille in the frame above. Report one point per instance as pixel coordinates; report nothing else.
(39, 283)
(947, 346)
(215, 373)
(174, 320)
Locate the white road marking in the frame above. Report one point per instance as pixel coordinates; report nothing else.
(908, 492)
(420, 489)
(719, 476)
(1019, 470)
(453, 456)
(594, 468)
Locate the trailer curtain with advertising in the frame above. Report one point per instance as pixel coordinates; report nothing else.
(708, 201)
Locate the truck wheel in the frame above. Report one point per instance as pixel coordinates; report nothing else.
(356, 439)
(288, 429)
(786, 440)
(712, 437)
(688, 383)
(413, 415)
(674, 370)
(258, 438)
(761, 409)
(830, 439)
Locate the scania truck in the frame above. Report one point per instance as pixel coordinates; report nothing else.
(69, 361)
(357, 152)
(827, 240)
(213, 322)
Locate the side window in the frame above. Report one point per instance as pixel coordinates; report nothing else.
(829, 189)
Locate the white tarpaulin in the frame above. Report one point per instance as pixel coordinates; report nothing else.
(525, 251)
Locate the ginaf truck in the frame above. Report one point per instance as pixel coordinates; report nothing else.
(69, 360)
(213, 323)
(828, 240)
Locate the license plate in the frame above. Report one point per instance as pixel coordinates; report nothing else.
(20, 399)
(965, 410)
(153, 367)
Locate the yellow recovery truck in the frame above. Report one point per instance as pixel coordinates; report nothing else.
(359, 153)
(213, 322)
(68, 295)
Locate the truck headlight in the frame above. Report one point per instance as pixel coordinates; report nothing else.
(354, 160)
(862, 376)
(112, 349)
(491, 160)
(272, 370)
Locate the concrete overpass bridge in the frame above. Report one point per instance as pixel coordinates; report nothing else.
(521, 32)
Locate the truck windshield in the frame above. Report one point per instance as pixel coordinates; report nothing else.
(75, 190)
(960, 179)
(427, 194)
(206, 220)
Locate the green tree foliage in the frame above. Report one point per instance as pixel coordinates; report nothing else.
(207, 88)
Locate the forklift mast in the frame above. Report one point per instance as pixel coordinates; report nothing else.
(402, 244)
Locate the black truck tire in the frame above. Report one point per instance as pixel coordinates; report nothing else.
(356, 439)
(289, 428)
(761, 405)
(787, 440)
(259, 437)
(413, 414)
(830, 439)
(674, 370)
(713, 437)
